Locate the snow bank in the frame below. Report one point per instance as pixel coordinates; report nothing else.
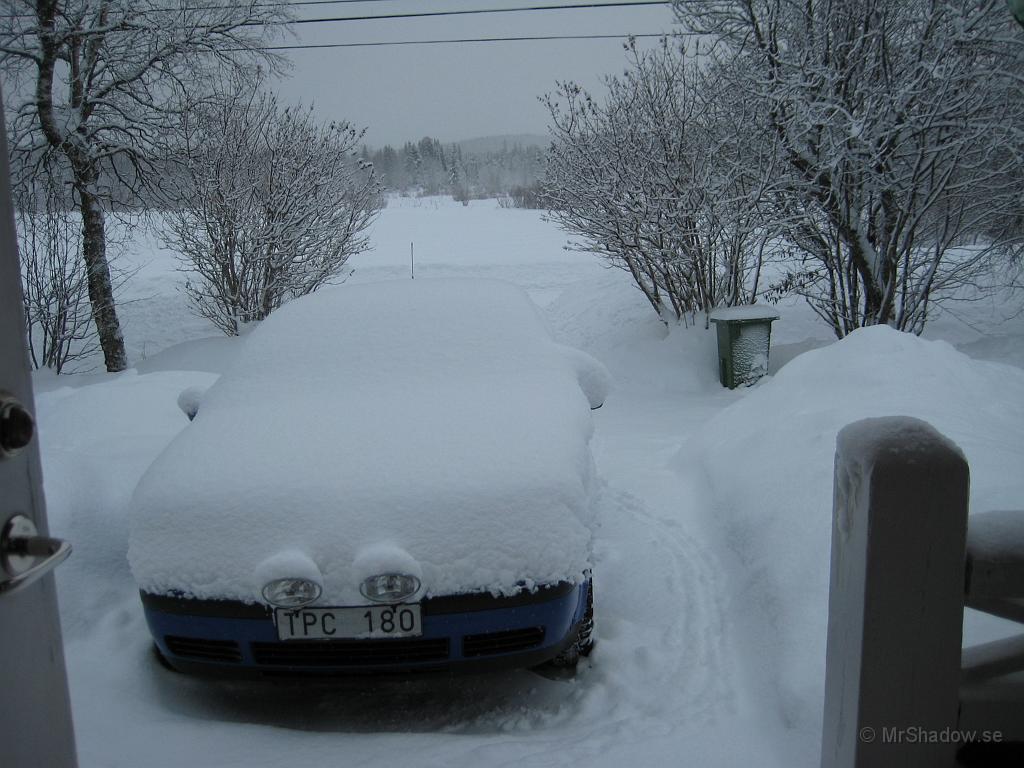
(435, 416)
(610, 318)
(769, 460)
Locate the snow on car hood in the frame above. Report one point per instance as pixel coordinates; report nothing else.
(436, 418)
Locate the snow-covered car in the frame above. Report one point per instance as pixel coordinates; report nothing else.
(392, 477)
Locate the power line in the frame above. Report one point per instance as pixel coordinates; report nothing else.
(455, 41)
(387, 16)
(230, 7)
(268, 5)
(464, 12)
(292, 5)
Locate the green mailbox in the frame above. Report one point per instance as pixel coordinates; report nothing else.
(744, 336)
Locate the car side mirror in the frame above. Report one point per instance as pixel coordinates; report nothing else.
(593, 377)
(190, 399)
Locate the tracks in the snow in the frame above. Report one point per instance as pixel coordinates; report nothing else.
(659, 611)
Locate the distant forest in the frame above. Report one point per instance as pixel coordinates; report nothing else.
(428, 167)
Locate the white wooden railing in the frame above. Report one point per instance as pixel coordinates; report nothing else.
(900, 690)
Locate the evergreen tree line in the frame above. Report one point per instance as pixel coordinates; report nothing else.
(428, 167)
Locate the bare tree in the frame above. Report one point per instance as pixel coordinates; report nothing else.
(274, 205)
(898, 127)
(644, 180)
(99, 84)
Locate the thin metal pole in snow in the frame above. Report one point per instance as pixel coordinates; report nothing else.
(412, 263)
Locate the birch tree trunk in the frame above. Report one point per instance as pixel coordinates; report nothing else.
(101, 292)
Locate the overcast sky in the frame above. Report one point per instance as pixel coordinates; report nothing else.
(454, 92)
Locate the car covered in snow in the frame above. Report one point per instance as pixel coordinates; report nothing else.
(391, 477)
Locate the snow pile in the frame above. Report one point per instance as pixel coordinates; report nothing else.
(610, 318)
(384, 557)
(769, 460)
(436, 416)
(189, 400)
(97, 440)
(287, 564)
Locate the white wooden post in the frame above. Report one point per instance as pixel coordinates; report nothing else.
(896, 597)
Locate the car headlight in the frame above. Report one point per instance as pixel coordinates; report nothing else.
(389, 587)
(291, 593)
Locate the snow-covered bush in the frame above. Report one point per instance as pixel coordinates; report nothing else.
(60, 329)
(272, 206)
(58, 316)
(897, 125)
(661, 181)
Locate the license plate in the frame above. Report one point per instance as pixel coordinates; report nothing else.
(368, 621)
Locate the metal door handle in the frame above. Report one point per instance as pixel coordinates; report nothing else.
(25, 556)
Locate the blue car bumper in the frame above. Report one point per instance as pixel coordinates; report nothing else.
(461, 633)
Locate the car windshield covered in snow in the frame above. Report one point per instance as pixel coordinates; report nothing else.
(409, 443)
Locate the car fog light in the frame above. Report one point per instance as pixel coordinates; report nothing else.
(291, 593)
(389, 587)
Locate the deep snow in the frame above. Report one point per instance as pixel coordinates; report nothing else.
(435, 414)
(768, 461)
(711, 549)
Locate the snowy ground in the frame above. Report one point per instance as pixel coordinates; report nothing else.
(712, 551)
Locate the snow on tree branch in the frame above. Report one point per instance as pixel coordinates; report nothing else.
(657, 181)
(99, 85)
(274, 204)
(898, 125)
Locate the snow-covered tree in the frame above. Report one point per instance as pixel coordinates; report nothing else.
(413, 165)
(456, 186)
(898, 126)
(657, 179)
(273, 205)
(99, 84)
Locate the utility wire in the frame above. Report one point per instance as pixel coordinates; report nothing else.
(268, 5)
(465, 12)
(389, 16)
(291, 5)
(455, 41)
(231, 7)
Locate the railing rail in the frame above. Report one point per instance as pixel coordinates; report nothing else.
(989, 699)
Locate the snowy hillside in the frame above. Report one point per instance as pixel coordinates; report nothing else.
(711, 545)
